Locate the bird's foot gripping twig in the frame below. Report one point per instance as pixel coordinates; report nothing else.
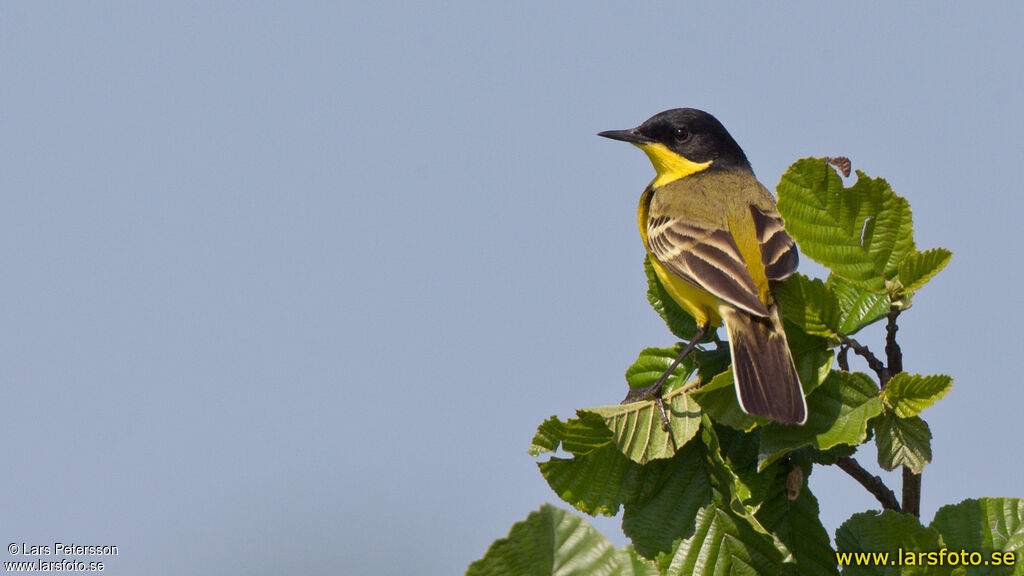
(654, 390)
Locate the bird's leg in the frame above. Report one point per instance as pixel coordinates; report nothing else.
(654, 390)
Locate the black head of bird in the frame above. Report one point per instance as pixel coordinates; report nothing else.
(693, 135)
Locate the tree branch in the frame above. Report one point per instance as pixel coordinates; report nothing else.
(894, 359)
(893, 354)
(873, 361)
(911, 492)
(843, 358)
(874, 484)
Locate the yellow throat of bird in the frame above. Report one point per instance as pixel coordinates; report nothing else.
(669, 165)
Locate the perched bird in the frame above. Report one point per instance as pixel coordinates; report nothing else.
(717, 242)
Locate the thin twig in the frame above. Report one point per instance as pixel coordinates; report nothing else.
(872, 360)
(874, 484)
(843, 358)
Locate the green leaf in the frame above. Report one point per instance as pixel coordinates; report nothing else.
(596, 483)
(675, 491)
(861, 233)
(886, 534)
(908, 394)
(599, 478)
(726, 480)
(695, 482)
(987, 526)
(722, 543)
(634, 428)
(662, 499)
(547, 438)
(718, 400)
(678, 321)
(837, 413)
(653, 362)
(552, 541)
(637, 429)
(858, 308)
(724, 537)
(798, 525)
(903, 442)
(739, 451)
(808, 304)
(919, 267)
(581, 436)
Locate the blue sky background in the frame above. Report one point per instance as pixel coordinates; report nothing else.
(287, 287)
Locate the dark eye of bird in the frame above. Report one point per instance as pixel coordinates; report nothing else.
(682, 134)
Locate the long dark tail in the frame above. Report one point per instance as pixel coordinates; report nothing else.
(762, 367)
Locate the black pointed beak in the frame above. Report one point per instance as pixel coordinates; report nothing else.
(631, 136)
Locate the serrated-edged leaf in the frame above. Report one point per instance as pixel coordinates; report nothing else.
(661, 499)
(697, 479)
(679, 322)
(578, 436)
(837, 413)
(676, 490)
(637, 429)
(599, 478)
(857, 307)
(908, 394)
(870, 543)
(809, 304)
(596, 483)
(653, 362)
(903, 442)
(718, 400)
(739, 452)
(985, 525)
(861, 233)
(553, 542)
(729, 487)
(723, 544)
(547, 438)
(919, 267)
(797, 524)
